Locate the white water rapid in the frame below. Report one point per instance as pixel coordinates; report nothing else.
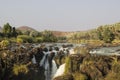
(60, 70)
(45, 63)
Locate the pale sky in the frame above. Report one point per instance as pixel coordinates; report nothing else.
(62, 15)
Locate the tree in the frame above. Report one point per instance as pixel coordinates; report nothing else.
(7, 29)
(26, 33)
(19, 32)
(99, 34)
(34, 34)
(108, 36)
(48, 36)
(14, 32)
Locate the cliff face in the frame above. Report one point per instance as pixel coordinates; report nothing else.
(91, 67)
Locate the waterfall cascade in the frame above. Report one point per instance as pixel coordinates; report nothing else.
(49, 71)
(60, 70)
(49, 64)
(54, 69)
(34, 60)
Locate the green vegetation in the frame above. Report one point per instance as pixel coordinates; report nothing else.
(48, 36)
(17, 69)
(100, 36)
(4, 43)
(91, 67)
(7, 30)
(80, 76)
(106, 33)
(16, 65)
(114, 74)
(25, 38)
(10, 33)
(80, 66)
(19, 40)
(64, 77)
(68, 65)
(83, 50)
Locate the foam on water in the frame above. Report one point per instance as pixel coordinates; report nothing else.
(60, 70)
(34, 60)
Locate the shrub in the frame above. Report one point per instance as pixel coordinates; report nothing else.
(19, 40)
(20, 69)
(112, 76)
(81, 50)
(39, 39)
(64, 77)
(80, 76)
(116, 67)
(68, 64)
(4, 43)
(25, 38)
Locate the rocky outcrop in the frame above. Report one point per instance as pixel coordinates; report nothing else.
(90, 67)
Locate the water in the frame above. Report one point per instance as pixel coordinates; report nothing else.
(49, 74)
(34, 60)
(42, 62)
(54, 68)
(60, 70)
(49, 71)
(106, 51)
(52, 71)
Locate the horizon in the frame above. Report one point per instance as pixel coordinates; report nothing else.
(62, 30)
(60, 15)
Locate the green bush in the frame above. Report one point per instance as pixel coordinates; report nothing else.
(112, 76)
(19, 40)
(80, 76)
(64, 77)
(12, 40)
(83, 50)
(26, 38)
(39, 39)
(4, 43)
(20, 69)
(68, 67)
(116, 67)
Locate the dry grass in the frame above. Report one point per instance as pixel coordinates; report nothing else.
(20, 69)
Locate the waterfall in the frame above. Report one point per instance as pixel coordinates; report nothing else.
(55, 52)
(71, 51)
(34, 60)
(42, 62)
(49, 74)
(49, 71)
(60, 70)
(54, 68)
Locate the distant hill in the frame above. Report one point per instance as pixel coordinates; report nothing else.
(56, 33)
(25, 28)
(61, 33)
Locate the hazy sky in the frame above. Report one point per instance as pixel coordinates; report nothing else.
(64, 15)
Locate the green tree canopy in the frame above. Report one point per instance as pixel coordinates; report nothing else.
(7, 29)
(14, 32)
(108, 36)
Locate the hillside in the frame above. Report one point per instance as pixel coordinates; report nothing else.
(56, 33)
(60, 33)
(25, 28)
(106, 33)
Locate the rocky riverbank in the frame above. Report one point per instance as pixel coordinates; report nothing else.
(38, 61)
(91, 67)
